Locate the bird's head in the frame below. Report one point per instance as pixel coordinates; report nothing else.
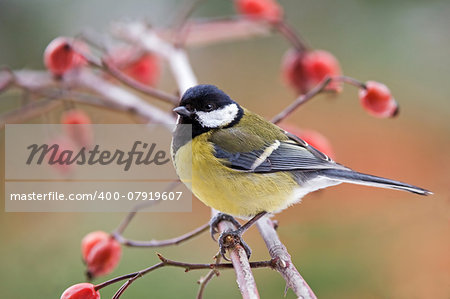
(208, 107)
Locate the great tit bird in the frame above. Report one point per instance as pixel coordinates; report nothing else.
(242, 165)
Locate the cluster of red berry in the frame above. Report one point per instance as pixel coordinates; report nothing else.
(64, 55)
(304, 69)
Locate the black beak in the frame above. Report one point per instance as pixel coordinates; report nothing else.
(183, 111)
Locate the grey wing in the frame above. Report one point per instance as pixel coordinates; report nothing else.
(286, 155)
(306, 162)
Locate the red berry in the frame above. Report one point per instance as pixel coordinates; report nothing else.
(90, 240)
(101, 252)
(64, 54)
(142, 67)
(103, 257)
(377, 99)
(268, 10)
(304, 70)
(81, 291)
(313, 138)
(78, 127)
(75, 117)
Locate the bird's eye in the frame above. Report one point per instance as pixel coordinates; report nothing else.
(209, 107)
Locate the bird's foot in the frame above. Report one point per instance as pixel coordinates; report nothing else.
(213, 224)
(230, 239)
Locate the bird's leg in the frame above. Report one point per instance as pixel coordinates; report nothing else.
(213, 224)
(229, 239)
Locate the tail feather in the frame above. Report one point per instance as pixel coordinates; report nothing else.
(349, 176)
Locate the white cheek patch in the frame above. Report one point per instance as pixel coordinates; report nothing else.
(218, 118)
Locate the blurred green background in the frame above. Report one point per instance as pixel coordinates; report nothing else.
(347, 241)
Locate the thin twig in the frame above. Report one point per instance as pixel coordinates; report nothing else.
(53, 99)
(132, 279)
(209, 31)
(284, 265)
(121, 97)
(153, 243)
(28, 111)
(350, 80)
(162, 243)
(203, 281)
(289, 33)
(301, 100)
(166, 262)
(242, 268)
(112, 96)
(140, 34)
(188, 266)
(126, 221)
(180, 23)
(127, 80)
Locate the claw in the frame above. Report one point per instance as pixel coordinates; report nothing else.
(229, 240)
(217, 219)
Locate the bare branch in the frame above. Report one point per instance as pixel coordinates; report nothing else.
(162, 243)
(112, 96)
(166, 262)
(180, 22)
(33, 80)
(132, 279)
(204, 32)
(284, 264)
(188, 266)
(244, 275)
(139, 34)
(203, 281)
(127, 80)
(300, 101)
(121, 97)
(153, 243)
(289, 33)
(27, 112)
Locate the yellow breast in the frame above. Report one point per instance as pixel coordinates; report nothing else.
(230, 191)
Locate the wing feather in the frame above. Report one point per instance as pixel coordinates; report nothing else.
(288, 155)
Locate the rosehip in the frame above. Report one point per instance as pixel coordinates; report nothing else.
(304, 70)
(268, 10)
(377, 99)
(63, 54)
(81, 291)
(75, 117)
(313, 138)
(101, 252)
(144, 68)
(78, 127)
(90, 240)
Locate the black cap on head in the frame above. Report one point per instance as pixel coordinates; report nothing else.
(205, 97)
(207, 107)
